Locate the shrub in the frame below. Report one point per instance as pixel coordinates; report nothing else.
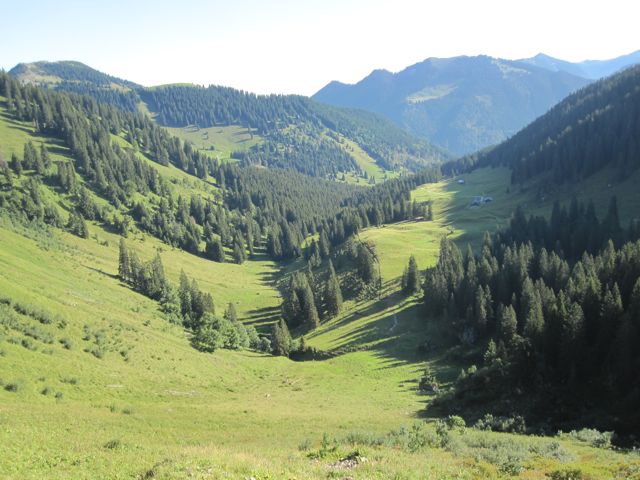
(207, 339)
(574, 474)
(113, 444)
(326, 448)
(454, 422)
(66, 343)
(59, 395)
(95, 351)
(592, 436)
(514, 424)
(37, 334)
(27, 343)
(13, 387)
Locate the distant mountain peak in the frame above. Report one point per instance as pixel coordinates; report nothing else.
(461, 103)
(48, 73)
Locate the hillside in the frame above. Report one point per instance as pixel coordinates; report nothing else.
(289, 132)
(593, 129)
(461, 103)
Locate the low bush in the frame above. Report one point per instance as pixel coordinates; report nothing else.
(113, 444)
(591, 436)
(13, 387)
(514, 424)
(573, 474)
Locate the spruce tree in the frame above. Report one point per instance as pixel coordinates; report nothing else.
(291, 307)
(16, 164)
(124, 266)
(366, 265)
(214, 250)
(157, 280)
(230, 314)
(507, 323)
(412, 282)
(531, 312)
(280, 339)
(333, 294)
(184, 294)
(238, 253)
(44, 155)
(310, 316)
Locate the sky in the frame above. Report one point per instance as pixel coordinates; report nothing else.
(283, 46)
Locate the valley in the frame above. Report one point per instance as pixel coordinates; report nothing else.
(114, 363)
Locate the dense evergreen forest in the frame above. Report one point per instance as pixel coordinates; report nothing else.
(595, 127)
(552, 309)
(272, 115)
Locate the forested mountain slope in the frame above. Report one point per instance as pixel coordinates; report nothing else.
(295, 132)
(596, 127)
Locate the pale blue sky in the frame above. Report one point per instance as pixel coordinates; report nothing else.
(285, 46)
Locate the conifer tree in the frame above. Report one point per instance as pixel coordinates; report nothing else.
(44, 155)
(291, 308)
(507, 323)
(310, 316)
(412, 281)
(157, 279)
(531, 314)
(281, 339)
(366, 265)
(230, 314)
(238, 252)
(214, 250)
(16, 164)
(29, 156)
(124, 266)
(333, 294)
(184, 293)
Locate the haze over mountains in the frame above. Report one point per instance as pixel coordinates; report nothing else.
(466, 103)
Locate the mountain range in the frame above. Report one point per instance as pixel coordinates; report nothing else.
(467, 103)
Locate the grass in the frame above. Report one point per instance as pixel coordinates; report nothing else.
(218, 142)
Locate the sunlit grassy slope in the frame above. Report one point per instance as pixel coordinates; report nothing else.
(454, 215)
(218, 142)
(153, 407)
(109, 389)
